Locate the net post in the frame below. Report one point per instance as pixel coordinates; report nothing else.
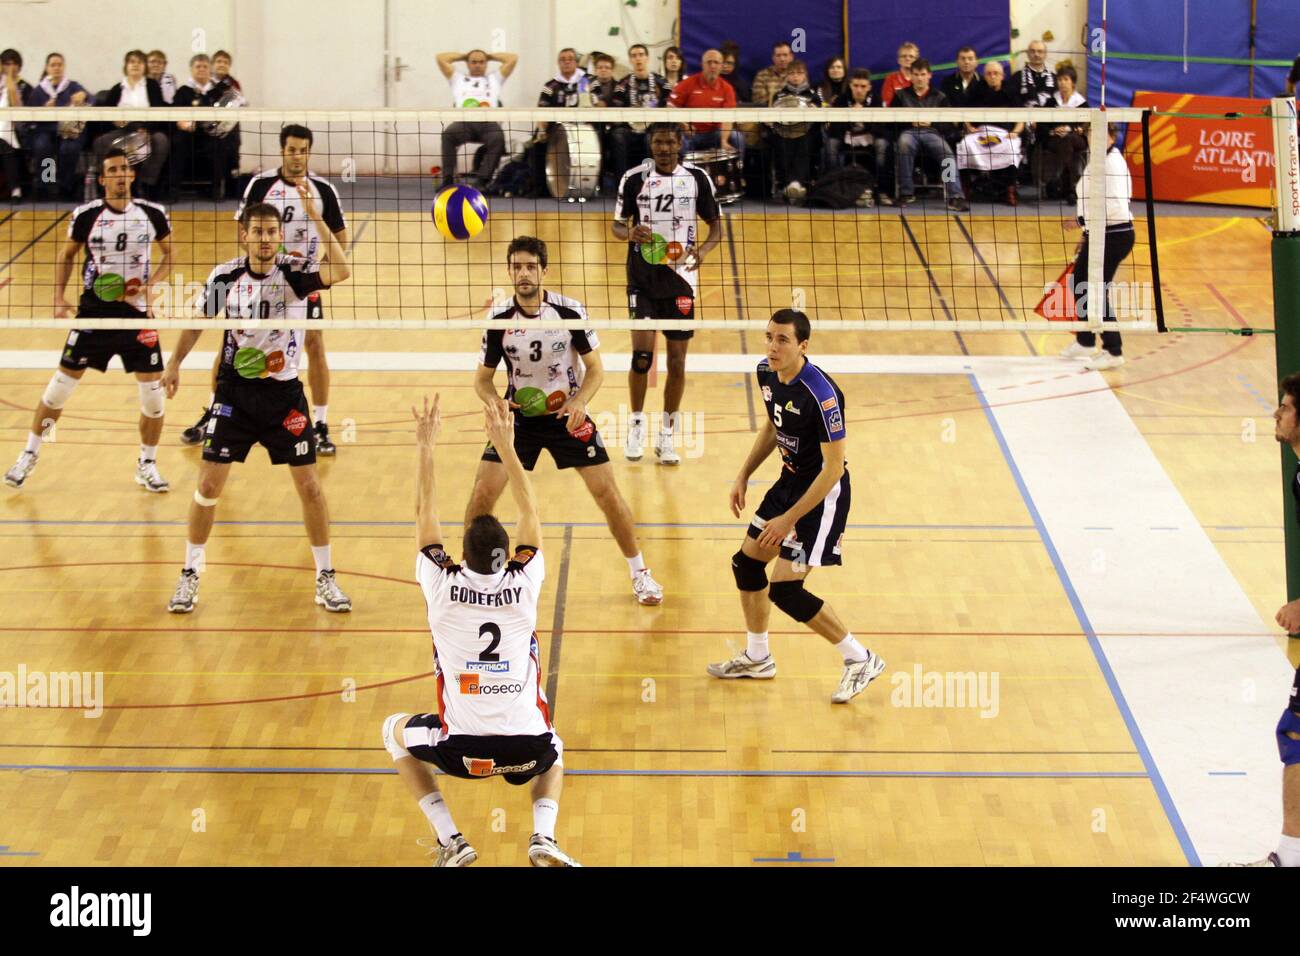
(1095, 219)
(1148, 177)
(1286, 300)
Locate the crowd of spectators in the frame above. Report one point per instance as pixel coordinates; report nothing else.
(54, 160)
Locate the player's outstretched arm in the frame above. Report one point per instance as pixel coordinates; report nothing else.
(62, 272)
(334, 267)
(428, 422)
(171, 380)
(500, 427)
(574, 411)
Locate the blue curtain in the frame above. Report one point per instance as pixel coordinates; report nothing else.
(815, 28)
(938, 27)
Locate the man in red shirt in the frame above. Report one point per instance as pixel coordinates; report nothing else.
(907, 53)
(708, 90)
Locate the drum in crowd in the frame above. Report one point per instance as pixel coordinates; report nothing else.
(573, 161)
(133, 142)
(789, 130)
(231, 99)
(723, 169)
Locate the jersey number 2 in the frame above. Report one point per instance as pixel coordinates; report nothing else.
(489, 653)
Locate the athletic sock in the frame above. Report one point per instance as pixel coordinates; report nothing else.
(34, 443)
(439, 817)
(756, 646)
(636, 418)
(635, 564)
(319, 413)
(148, 452)
(195, 556)
(322, 558)
(545, 812)
(853, 651)
(1288, 850)
(669, 423)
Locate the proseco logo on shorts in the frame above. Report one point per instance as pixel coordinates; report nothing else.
(486, 766)
(469, 684)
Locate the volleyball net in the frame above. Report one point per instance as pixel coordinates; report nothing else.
(869, 219)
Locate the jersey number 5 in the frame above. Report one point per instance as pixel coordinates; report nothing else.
(489, 653)
(776, 414)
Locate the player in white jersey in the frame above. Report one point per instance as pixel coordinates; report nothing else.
(259, 399)
(492, 717)
(565, 364)
(117, 234)
(279, 188)
(655, 213)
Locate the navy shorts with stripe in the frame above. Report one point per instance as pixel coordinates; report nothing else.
(476, 758)
(819, 534)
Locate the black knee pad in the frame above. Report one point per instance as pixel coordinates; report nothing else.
(641, 361)
(751, 573)
(791, 597)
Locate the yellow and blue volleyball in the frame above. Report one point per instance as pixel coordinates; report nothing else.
(460, 212)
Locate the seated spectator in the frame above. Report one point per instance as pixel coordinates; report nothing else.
(793, 144)
(197, 150)
(139, 92)
(924, 136)
(640, 89)
(850, 136)
(704, 90)
(1036, 81)
(14, 91)
(475, 89)
(731, 73)
(56, 146)
(835, 80)
(158, 73)
(602, 84)
(771, 78)
(902, 77)
(674, 66)
(964, 87)
(994, 147)
(221, 70)
(559, 92)
(1063, 149)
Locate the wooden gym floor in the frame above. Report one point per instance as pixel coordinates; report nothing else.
(248, 733)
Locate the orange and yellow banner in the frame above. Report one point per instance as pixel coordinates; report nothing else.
(1204, 160)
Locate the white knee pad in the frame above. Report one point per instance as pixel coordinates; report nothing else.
(152, 398)
(57, 392)
(395, 750)
(204, 502)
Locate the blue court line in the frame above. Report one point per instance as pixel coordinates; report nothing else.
(5, 851)
(1162, 791)
(1227, 773)
(794, 856)
(548, 524)
(384, 771)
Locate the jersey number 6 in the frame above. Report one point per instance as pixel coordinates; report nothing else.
(489, 653)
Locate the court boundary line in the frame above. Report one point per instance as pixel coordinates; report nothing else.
(557, 624)
(1099, 654)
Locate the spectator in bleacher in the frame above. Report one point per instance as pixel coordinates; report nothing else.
(835, 80)
(195, 150)
(640, 89)
(221, 70)
(603, 83)
(14, 91)
(731, 72)
(794, 144)
(708, 90)
(901, 78)
(674, 66)
(56, 145)
(157, 71)
(993, 147)
(563, 88)
(924, 136)
(1063, 149)
(842, 136)
(139, 92)
(1036, 82)
(963, 88)
(772, 77)
(475, 89)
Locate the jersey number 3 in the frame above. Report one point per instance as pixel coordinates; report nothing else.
(489, 653)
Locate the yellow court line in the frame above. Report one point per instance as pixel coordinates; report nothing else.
(567, 674)
(1189, 408)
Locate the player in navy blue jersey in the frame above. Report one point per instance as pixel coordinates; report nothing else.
(801, 520)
